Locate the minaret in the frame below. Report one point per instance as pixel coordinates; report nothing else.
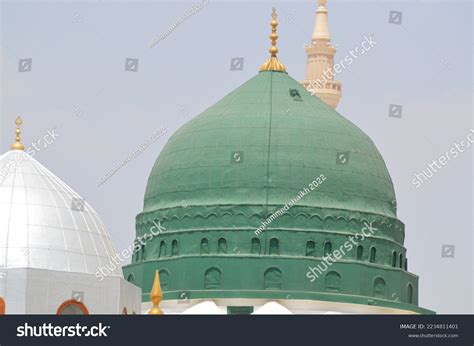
(320, 64)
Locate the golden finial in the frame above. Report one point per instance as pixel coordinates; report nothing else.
(17, 145)
(156, 296)
(273, 64)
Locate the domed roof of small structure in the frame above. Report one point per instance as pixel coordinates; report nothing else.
(44, 224)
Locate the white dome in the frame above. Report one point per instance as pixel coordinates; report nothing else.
(39, 226)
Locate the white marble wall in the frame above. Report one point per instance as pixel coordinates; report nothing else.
(37, 291)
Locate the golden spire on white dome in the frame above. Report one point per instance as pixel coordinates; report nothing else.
(18, 145)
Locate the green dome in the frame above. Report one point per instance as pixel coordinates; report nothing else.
(284, 137)
(230, 168)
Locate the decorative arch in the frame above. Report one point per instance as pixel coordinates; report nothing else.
(332, 282)
(272, 279)
(354, 222)
(327, 248)
(212, 278)
(316, 216)
(72, 307)
(255, 246)
(394, 259)
(360, 252)
(274, 246)
(328, 218)
(162, 249)
(410, 294)
(310, 248)
(164, 279)
(222, 246)
(373, 254)
(212, 214)
(174, 248)
(240, 219)
(303, 215)
(164, 218)
(204, 246)
(400, 262)
(143, 252)
(199, 220)
(380, 288)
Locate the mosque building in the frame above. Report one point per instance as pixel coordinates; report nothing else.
(273, 202)
(51, 244)
(268, 202)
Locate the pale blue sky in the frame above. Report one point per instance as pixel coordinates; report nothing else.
(78, 85)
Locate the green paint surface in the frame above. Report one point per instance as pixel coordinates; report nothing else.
(228, 169)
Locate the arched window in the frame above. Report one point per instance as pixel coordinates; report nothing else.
(143, 253)
(204, 246)
(72, 307)
(394, 259)
(332, 282)
(380, 288)
(360, 252)
(212, 278)
(400, 263)
(162, 249)
(310, 248)
(131, 278)
(164, 279)
(406, 263)
(327, 248)
(137, 255)
(174, 248)
(222, 246)
(373, 254)
(274, 246)
(255, 248)
(272, 279)
(410, 294)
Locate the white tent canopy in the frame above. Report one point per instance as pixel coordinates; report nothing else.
(272, 308)
(204, 308)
